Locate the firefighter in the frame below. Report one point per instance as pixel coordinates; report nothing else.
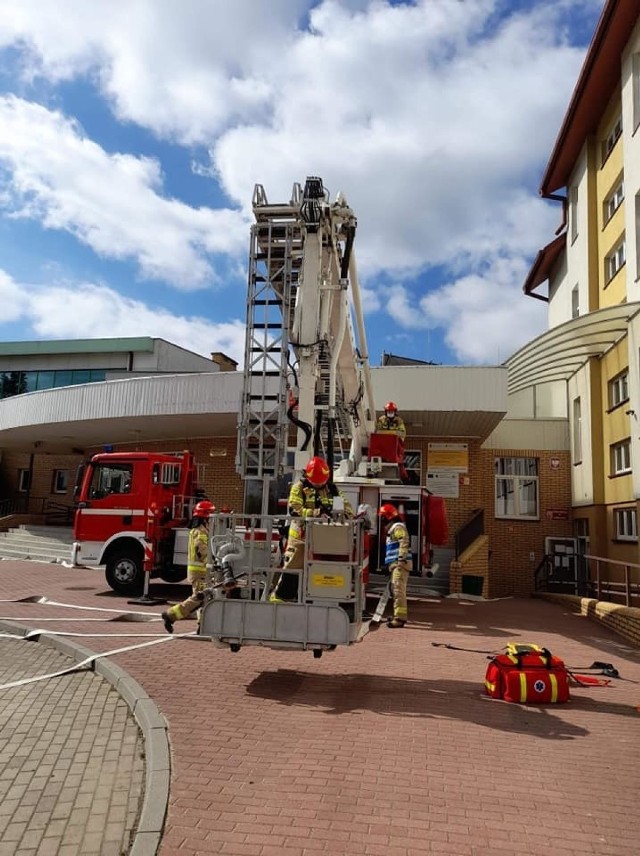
(310, 496)
(390, 422)
(398, 560)
(196, 565)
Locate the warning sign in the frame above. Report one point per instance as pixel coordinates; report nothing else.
(332, 580)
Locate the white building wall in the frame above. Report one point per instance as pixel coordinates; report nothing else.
(581, 474)
(573, 269)
(167, 357)
(634, 401)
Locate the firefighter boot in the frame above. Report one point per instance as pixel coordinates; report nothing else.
(167, 621)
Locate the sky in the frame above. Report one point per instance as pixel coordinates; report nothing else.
(132, 133)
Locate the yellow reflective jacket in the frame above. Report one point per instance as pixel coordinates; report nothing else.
(305, 500)
(398, 546)
(388, 425)
(197, 556)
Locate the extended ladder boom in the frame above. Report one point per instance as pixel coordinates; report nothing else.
(304, 363)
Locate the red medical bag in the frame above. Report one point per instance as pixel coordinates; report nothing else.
(527, 674)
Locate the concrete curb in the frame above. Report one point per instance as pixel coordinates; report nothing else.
(152, 724)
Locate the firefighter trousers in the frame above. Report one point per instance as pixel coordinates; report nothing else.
(186, 609)
(286, 587)
(399, 579)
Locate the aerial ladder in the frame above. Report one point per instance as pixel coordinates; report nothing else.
(306, 391)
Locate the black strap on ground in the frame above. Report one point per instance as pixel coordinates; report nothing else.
(456, 648)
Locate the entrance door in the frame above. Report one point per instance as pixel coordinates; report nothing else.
(563, 570)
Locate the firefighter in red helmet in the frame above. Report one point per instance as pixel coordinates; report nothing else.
(390, 422)
(398, 559)
(310, 496)
(196, 565)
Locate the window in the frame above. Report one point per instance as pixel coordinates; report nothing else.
(635, 71)
(575, 301)
(626, 524)
(612, 139)
(108, 479)
(577, 431)
(24, 481)
(614, 261)
(573, 212)
(60, 481)
(620, 457)
(613, 201)
(16, 383)
(413, 465)
(619, 389)
(517, 488)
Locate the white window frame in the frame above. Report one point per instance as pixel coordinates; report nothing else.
(619, 389)
(620, 457)
(613, 201)
(626, 524)
(615, 261)
(511, 483)
(577, 431)
(612, 138)
(635, 73)
(573, 211)
(24, 479)
(575, 301)
(60, 482)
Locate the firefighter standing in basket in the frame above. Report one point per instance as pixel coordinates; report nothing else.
(398, 560)
(390, 422)
(196, 565)
(310, 496)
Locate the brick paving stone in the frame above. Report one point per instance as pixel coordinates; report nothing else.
(390, 743)
(38, 812)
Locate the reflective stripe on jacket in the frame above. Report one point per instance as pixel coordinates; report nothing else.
(197, 561)
(304, 499)
(397, 544)
(388, 425)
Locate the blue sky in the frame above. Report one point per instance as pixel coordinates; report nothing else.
(132, 133)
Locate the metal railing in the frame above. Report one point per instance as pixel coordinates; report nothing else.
(606, 588)
(51, 510)
(470, 532)
(594, 576)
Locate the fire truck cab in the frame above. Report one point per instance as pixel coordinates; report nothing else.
(132, 510)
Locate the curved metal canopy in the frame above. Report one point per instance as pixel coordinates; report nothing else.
(561, 351)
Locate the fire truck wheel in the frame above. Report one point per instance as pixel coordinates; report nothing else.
(124, 573)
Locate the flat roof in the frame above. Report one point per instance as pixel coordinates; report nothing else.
(598, 79)
(77, 346)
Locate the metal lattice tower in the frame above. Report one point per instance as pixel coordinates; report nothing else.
(275, 258)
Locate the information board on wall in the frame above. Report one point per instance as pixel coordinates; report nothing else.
(444, 484)
(451, 457)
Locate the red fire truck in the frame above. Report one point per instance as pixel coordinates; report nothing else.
(132, 513)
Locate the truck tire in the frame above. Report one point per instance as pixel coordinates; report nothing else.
(124, 572)
(173, 575)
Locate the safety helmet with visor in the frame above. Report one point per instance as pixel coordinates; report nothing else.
(388, 511)
(317, 472)
(204, 509)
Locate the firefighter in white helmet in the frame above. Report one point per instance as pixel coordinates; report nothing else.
(196, 565)
(310, 496)
(390, 422)
(398, 559)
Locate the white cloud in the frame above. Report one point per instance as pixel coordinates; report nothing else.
(434, 117)
(485, 317)
(111, 202)
(57, 311)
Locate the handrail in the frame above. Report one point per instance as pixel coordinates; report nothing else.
(470, 532)
(608, 587)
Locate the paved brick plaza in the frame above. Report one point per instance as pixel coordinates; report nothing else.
(385, 749)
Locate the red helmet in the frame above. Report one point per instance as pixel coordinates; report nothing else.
(317, 472)
(388, 511)
(204, 509)
(390, 406)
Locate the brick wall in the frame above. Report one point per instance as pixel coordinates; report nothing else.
(474, 561)
(510, 542)
(624, 620)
